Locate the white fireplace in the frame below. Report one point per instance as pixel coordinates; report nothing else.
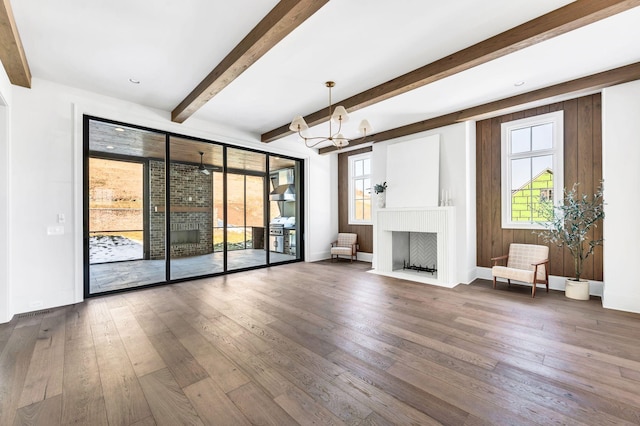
(393, 241)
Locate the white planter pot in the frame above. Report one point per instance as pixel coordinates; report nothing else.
(380, 200)
(578, 290)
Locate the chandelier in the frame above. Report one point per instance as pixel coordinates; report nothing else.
(338, 116)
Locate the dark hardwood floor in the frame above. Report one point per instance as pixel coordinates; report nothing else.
(322, 343)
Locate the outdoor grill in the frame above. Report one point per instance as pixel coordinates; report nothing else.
(276, 232)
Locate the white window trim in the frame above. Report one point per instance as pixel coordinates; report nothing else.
(557, 119)
(352, 160)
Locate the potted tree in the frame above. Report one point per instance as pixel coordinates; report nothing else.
(568, 225)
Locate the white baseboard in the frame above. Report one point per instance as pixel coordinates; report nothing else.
(318, 256)
(555, 282)
(471, 275)
(621, 302)
(364, 257)
(361, 256)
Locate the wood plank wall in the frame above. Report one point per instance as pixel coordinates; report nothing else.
(582, 164)
(365, 232)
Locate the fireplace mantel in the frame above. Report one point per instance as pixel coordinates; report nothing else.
(438, 220)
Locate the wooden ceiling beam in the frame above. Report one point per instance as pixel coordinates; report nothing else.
(11, 51)
(590, 83)
(557, 22)
(286, 16)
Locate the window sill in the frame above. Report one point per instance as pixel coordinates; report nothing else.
(525, 226)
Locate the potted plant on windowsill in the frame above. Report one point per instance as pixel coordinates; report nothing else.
(568, 225)
(379, 189)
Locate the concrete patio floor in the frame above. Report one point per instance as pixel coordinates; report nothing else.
(105, 277)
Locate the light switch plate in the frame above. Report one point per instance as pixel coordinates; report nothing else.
(55, 230)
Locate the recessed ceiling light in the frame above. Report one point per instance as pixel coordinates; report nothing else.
(134, 81)
(518, 83)
(118, 129)
(110, 147)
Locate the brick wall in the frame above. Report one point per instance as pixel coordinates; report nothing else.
(156, 216)
(190, 189)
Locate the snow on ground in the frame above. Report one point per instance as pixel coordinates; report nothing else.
(113, 248)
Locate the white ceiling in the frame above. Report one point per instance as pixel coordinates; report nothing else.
(170, 46)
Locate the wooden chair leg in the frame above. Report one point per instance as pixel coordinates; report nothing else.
(509, 282)
(494, 282)
(546, 276)
(533, 290)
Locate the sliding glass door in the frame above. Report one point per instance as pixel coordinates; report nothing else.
(162, 208)
(124, 240)
(245, 227)
(284, 208)
(192, 167)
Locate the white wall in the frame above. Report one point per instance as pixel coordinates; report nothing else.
(413, 173)
(46, 179)
(5, 173)
(467, 270)
(458, 176)
(322, 206)
(620, 155)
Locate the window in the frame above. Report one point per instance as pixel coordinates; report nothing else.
(546, 194)
(360, 189)
(531, 168)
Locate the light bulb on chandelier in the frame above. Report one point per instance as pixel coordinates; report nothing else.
(338, 116)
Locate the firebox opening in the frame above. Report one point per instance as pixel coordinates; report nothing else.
(415, 252)
(191, 236)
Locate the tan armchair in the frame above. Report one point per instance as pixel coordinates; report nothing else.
(345, 245)
(528, 263)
